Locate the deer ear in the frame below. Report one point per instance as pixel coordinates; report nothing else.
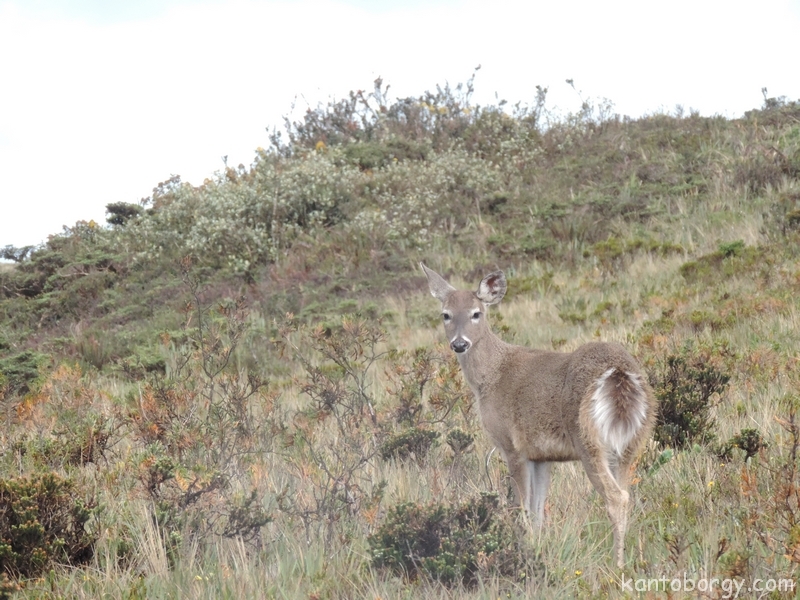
(440, 289)
(492, 288)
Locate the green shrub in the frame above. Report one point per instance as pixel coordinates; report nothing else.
(686, 384)
(452, 544)
(611, 252)
(415, 441)
(459, 440)
(78, 441)
(121, 212)
(749, 440)
(43, 521)
(783, 215)
(373, 155)
(700, 319)
(730, 259)
(193, 430)
(20, 372)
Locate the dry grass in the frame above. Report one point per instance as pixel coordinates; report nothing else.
(684, 514)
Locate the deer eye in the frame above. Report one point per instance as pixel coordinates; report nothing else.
(476, 315)
(446, 317)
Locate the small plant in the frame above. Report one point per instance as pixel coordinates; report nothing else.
(452, 544)
(783, 216)
(415, 441)
(749, 440)
(686, 387)
(459, 440)
(410, 373)
(7, 587)
(772, 486)
(196, 433)
(730, 259)
(42, 522)
(21, 372)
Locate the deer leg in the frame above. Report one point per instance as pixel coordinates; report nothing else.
(518, 469)
(539, 483)
(614, 496)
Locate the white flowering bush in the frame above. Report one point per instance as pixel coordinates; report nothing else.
(414, 200)
(243, 218)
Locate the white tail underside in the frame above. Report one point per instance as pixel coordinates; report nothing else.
(616, 429)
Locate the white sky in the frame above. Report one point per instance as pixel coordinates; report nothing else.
(102, 99)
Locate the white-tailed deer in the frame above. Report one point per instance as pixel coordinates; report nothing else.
(539, 407)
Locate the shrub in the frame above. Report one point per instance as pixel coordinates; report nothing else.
(686, 386)
(409, 375)
(76, 441)
(415, 441)
(332, 481)
(748, 439)
(612, 252)
(195, 431)
(20, 372)
(450, 544)
(783, 214)
(459, 440)
(120, 212)
(16, 254)
(43, 521)
(730, 259)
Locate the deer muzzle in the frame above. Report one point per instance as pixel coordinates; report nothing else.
(460, 345)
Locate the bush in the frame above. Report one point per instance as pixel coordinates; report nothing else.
(749, 440)
(450, 544)
(729, 260)
(43, 521)
(459, 440)
(20, 372)
(120, 212)
(686, 386)
(196, 432)
(332, 482)
(415, 441)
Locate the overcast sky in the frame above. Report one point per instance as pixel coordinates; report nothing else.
(101, 99)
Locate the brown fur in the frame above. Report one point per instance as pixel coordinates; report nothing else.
(540, 407)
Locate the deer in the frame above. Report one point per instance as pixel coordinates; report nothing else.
(540, 407)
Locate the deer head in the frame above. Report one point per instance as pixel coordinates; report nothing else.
(463, 312)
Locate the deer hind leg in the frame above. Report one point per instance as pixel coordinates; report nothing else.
(614, 496)
(538, 484)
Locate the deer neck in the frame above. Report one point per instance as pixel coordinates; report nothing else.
(481, 363)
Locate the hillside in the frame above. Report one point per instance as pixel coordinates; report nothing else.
(241, 389)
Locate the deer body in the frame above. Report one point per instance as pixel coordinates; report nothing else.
(540, 407)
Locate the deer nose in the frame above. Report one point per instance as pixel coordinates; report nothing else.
(460, 345)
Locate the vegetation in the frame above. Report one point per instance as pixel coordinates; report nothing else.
(240, 389)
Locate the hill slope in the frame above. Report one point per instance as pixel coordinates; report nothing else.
(248, 375)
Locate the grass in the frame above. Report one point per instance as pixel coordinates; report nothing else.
(233, 449)
(684, 515)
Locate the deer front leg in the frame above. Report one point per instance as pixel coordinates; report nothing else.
(518, 469)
